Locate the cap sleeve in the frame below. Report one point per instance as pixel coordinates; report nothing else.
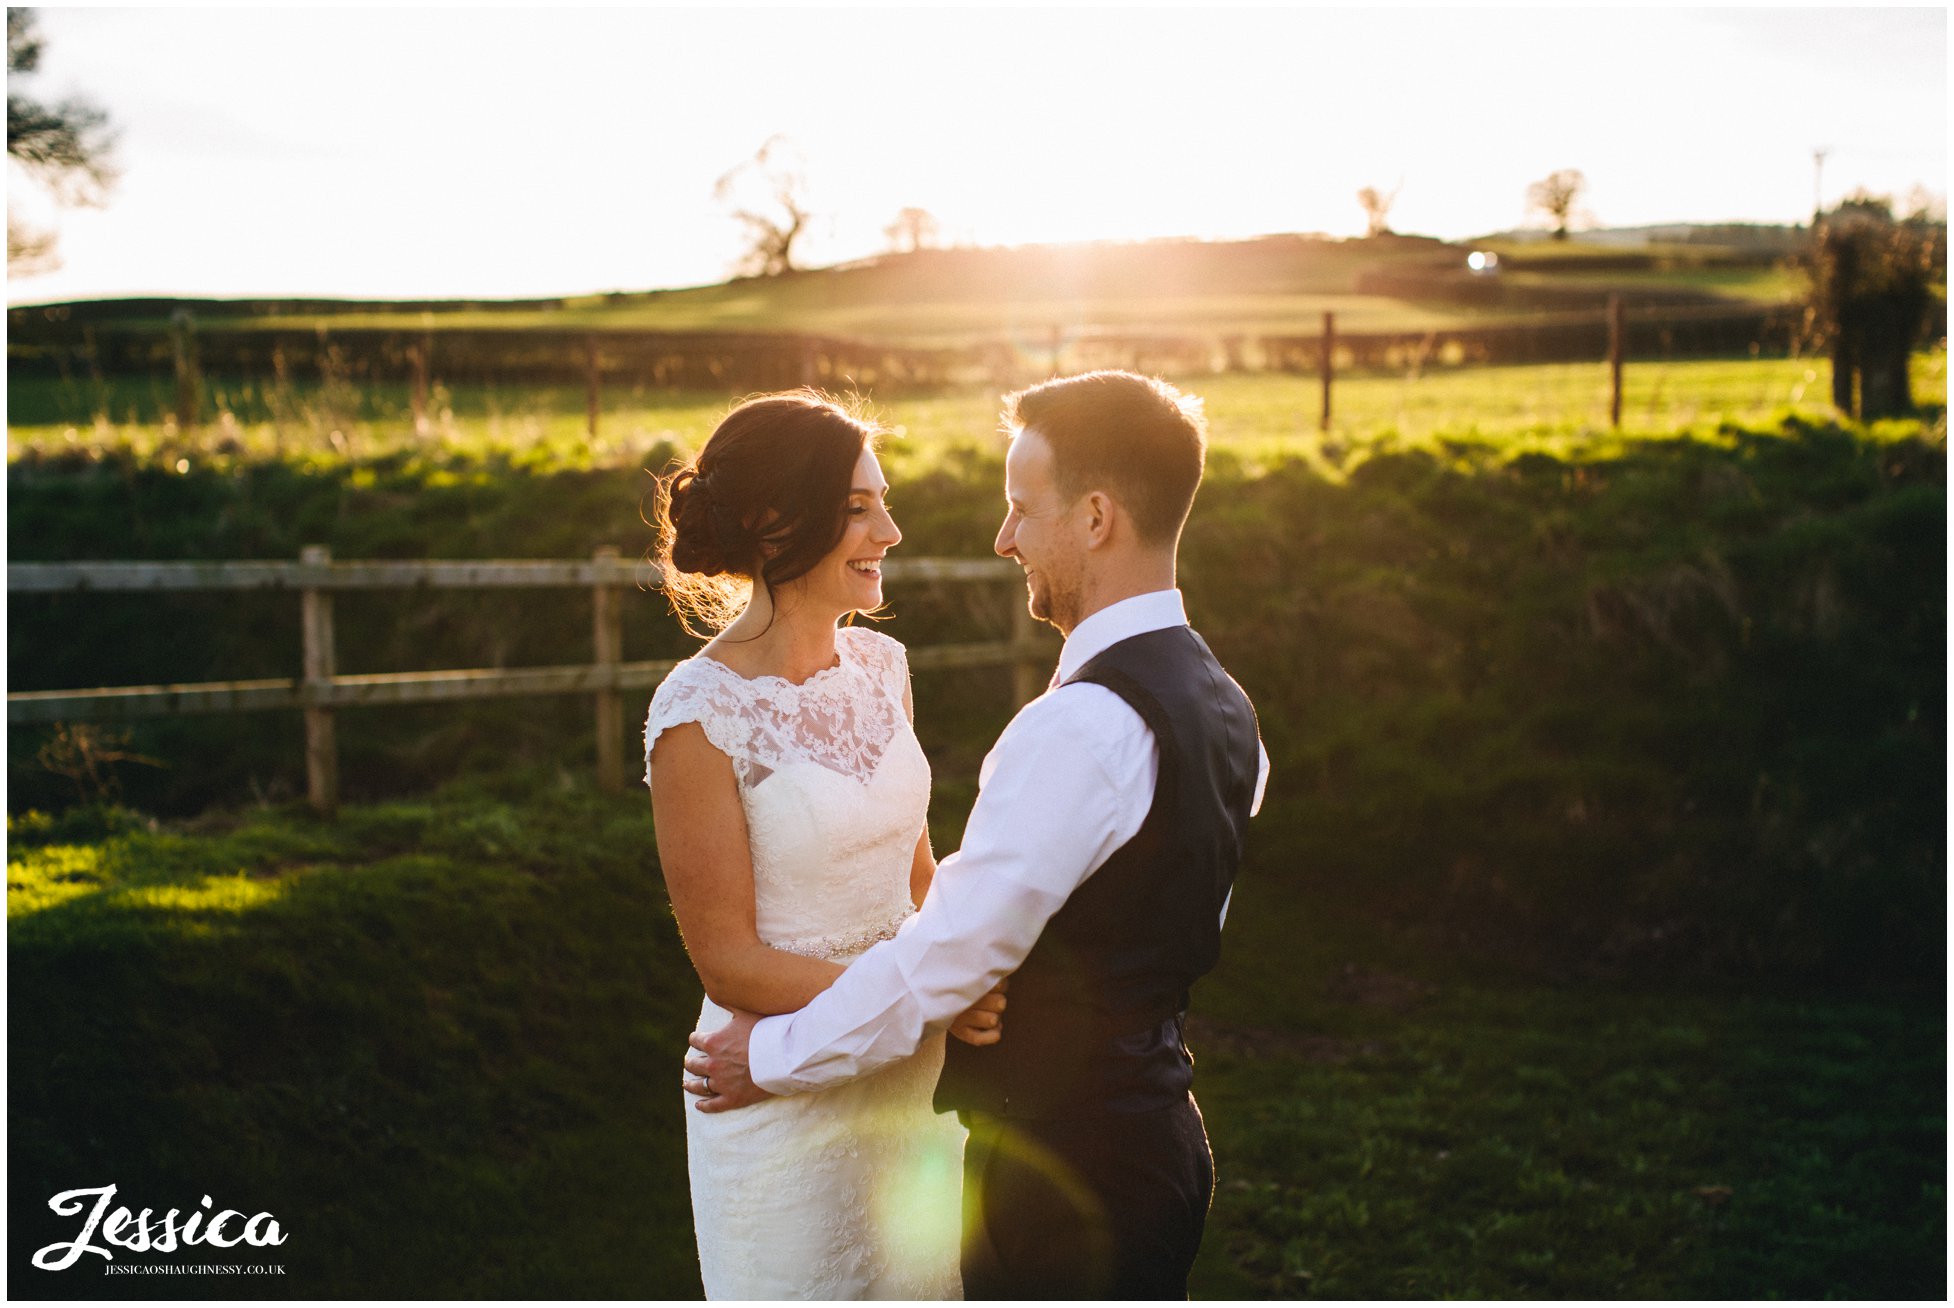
(884, 657)
(689, 693)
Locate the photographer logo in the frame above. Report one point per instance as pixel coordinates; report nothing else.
(139, 1234)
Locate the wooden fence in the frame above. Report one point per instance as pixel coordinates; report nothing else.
(736, 362)
(318, 691)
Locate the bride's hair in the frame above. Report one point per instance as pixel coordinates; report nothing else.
(763, 501)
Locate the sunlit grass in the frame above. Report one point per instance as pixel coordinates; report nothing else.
(181, 881)
(232, 894)
(40, 879)
(1561, 408)
(952, 322)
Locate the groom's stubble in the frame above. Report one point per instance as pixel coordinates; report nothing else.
(1056, 600)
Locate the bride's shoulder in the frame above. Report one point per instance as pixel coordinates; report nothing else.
(702, 691)
(868, 643)
(691, 684)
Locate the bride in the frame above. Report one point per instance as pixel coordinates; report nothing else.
(789, 794)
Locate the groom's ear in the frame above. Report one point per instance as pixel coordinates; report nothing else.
(1100, 512)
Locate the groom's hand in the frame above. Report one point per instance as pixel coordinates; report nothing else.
(983, 1022)
(717, 1067)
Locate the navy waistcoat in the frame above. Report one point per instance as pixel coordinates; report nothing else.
(1092, 1022)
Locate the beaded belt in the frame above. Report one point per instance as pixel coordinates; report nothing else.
(846, 942)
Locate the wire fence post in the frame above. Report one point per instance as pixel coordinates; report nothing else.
(417, 355)
(189, 381)
(1328, 367)
(593, 384)
(1615, 334)
(607, 625)
(321, 745)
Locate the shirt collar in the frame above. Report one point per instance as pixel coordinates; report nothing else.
(1133, 616)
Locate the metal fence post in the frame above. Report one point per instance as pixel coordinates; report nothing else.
(321, 745)
(189, 378)
(1329, 365)
(1615, 335)
(607, 623)
(593, 384)
(417, 356)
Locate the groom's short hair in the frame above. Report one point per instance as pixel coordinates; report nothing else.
(1136, 438)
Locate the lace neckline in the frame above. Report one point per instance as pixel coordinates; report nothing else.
(770, 679)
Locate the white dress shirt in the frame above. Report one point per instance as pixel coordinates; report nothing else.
(1069, 781)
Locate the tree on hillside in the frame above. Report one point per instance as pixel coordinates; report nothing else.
(64, 148)
(1377, 210)
(914, 229)
(1872, 278)
(1555, 195)
(768, 195)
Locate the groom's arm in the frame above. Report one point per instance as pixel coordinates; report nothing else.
(1069, 782)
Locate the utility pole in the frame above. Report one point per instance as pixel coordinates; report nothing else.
(1818, 182)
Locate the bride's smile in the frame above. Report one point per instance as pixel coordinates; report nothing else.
(850, 577)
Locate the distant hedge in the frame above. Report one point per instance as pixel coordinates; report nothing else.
(1677, 708)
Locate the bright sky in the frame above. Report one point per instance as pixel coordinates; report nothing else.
(510, 152)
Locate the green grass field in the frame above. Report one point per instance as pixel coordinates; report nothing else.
(1550, 406)
(439, 1040)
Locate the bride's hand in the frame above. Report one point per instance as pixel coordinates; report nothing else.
(983, 1022)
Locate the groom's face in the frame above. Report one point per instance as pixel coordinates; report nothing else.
(1040, 533)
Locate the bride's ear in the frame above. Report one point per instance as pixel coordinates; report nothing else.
(759, 526)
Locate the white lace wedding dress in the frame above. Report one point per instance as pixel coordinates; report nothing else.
(852, 1192)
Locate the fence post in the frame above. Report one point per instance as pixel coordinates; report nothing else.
(608, 637)
(281, 396)
(593, 384)
(321, 746)
(189, 385)
(1030, 674)
(1329, 364)
(418, 354)
(1615, 334)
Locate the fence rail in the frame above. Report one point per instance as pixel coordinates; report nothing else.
(318, 691)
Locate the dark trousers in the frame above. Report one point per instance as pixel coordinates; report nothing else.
(1107, 1207)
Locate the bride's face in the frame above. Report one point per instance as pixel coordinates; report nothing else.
(849, 579)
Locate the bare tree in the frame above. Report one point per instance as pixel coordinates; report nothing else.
(64, 147)
(914, 229)
(768, 195)
(1377, 210)
(1555, 195)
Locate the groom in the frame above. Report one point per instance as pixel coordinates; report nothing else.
(1095, 872)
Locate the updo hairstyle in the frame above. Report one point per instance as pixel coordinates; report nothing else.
(763, 501)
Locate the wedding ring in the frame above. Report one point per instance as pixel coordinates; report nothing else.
(706, 1081)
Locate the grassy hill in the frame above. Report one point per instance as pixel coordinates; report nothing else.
(1269, 285)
